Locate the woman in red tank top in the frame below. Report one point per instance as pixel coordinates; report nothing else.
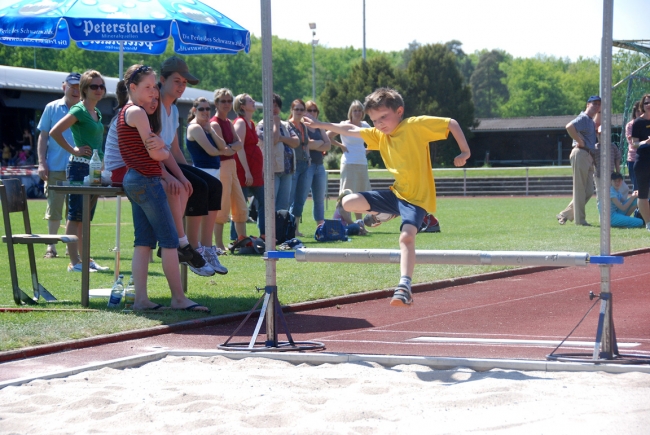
(250, 161)
(232, 197)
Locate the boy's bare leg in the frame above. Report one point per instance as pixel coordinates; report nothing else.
(356, 203)
(407, 250)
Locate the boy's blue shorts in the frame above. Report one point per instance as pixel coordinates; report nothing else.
(385, 201)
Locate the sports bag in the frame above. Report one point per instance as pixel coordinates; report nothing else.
(285, 226)
(330, 231)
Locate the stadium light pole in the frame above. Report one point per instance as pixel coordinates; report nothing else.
(314, 43)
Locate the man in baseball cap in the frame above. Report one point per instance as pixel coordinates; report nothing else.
(73, 78)
(583, 131)
(176, 64)
(52, 159)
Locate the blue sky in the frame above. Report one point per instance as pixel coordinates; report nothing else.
(562, 28)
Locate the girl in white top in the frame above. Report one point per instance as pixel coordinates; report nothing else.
(354, 164)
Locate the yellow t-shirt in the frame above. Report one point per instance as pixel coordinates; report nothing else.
(406, 155)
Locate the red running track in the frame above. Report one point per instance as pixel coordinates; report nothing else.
(518, 317)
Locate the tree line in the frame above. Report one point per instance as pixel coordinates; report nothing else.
(435, 79)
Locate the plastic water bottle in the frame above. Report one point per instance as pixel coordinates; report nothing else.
(129, 295)
(95, 167)
(116, 293)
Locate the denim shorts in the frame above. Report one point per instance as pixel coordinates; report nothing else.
(75, 172)
(385, 201)
(152, 218)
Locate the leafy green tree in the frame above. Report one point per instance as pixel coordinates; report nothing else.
(364, 78)
(580, 80)
(463, 61)
(488, 88)
(433, 85)
(535, 87)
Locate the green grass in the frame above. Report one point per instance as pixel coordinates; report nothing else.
(547, 171)
(521, 223)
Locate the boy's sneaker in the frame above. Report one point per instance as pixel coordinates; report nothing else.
(183, 256)
(78, 268)
(92, 265)
(50, 252)
(402, 297)
(210, 256)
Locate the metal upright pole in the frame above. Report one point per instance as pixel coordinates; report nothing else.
(608, 344)
(364, 29)
(269, 193)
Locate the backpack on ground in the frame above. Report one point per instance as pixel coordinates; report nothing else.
(285, 226)
(330, 231)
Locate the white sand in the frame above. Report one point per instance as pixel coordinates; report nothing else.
(196, 395)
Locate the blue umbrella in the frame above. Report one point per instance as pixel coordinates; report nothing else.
(140, 26)
(134, 26)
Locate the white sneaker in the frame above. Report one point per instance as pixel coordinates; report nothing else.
(78, 268)
(212, 258)
(647, 226)
(206, 270)
(92, 265)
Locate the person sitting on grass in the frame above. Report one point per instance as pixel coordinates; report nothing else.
(622, 206)
(404, 147)
(142, 151)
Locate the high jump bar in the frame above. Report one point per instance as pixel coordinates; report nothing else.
(484, 258)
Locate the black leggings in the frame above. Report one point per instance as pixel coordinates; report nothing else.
(206, 195)
(642, 174)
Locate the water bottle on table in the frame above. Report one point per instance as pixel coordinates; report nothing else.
(95, 168)
(116, 293)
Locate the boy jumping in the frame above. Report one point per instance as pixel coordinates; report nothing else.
(404, 147)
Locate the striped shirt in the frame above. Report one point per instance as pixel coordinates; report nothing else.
(132, 148)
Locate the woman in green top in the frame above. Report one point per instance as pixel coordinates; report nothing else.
(85, 122)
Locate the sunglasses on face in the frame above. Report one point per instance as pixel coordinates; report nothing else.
(312, 110)
(226, 101)
(203, 109)
(95, 87)
(646, 103)
(298, 109)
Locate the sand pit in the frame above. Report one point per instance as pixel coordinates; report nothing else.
(201, 395)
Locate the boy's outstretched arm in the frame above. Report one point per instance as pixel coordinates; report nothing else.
(344, 129)
(458, 134)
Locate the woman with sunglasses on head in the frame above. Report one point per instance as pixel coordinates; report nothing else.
(142, 151)
(205, 144)
(203, 189)
(233, 202)
(301, 182)
(641, 143)
(85, 122)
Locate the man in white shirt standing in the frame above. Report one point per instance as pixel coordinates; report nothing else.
(53, 159)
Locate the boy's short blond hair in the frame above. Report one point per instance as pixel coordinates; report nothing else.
(384, 97)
